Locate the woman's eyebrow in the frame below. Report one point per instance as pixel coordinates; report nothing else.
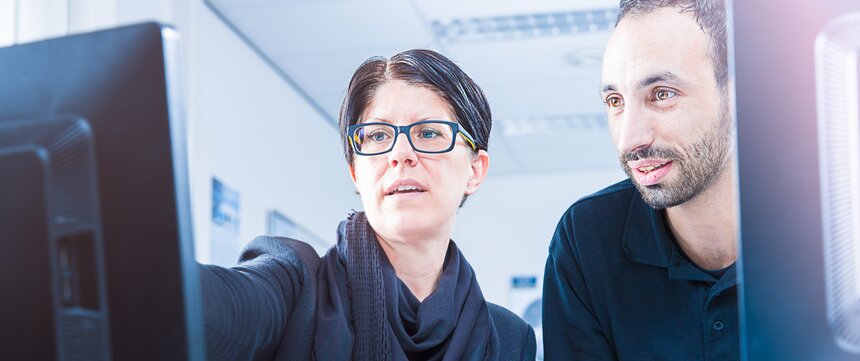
(374, 119)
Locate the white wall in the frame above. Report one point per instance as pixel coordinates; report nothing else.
(8, 18)
(24, 21)
(257, 135)
(504, 230)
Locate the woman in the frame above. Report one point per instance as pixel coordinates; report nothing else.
(395, 287)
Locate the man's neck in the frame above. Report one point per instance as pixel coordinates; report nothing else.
(418, 263)
(706, 227)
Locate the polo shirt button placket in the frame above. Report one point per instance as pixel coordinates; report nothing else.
(719, 325)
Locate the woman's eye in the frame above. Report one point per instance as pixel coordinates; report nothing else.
(429, 133)
(378, 136)
(663, 94)
(614, 102)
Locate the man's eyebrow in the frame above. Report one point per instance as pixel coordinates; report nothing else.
(608, 88)
(665, 77)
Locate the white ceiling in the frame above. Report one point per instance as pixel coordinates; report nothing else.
(538, 62)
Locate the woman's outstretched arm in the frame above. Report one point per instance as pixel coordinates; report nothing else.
(247, 307)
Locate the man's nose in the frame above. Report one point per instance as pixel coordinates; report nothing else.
(636, 130)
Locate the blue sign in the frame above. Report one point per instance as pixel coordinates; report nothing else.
(524, 281)
(225, 206)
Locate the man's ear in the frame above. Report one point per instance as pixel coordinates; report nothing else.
(480, 165)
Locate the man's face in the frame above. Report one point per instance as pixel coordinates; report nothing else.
(668, 117)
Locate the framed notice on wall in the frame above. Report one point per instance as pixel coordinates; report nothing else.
(225, 224)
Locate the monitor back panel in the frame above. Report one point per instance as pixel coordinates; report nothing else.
(789, 288)
(120, 83)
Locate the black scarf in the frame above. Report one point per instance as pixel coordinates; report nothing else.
(365, 312)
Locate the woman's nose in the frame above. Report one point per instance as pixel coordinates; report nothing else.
(402, 152)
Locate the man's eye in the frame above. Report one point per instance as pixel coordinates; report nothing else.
(663, 94)
(614, 102)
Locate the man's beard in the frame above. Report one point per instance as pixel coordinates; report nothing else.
(698, 166)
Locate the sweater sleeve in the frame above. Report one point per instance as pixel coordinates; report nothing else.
(517, 337)
(529, 345)
(570, 328)
(247, 306)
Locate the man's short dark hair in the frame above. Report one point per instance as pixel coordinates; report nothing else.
(711, 16)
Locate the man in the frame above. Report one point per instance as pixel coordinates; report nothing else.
(644, 269)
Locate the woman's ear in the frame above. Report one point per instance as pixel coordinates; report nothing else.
(351, 168)
(480, 165)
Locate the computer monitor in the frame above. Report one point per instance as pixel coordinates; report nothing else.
(95, 238)
(796, 79)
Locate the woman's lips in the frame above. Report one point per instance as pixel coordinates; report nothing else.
(404, 195)
(649, 172)
(405, 189)
(404, 185)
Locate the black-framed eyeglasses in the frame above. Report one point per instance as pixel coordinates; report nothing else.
(427, 136)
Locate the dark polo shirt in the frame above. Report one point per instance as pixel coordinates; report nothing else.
(617, 287)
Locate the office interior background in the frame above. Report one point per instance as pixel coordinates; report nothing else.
(263, 81)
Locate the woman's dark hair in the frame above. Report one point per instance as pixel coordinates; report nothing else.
(424, 68)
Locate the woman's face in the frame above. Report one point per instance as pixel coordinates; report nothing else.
(387, 182)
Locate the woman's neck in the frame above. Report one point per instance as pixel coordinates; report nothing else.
(417, 263)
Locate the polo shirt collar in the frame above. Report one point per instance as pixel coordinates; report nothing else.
(646, 240)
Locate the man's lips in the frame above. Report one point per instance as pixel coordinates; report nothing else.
(649, 172)
(647, 163)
